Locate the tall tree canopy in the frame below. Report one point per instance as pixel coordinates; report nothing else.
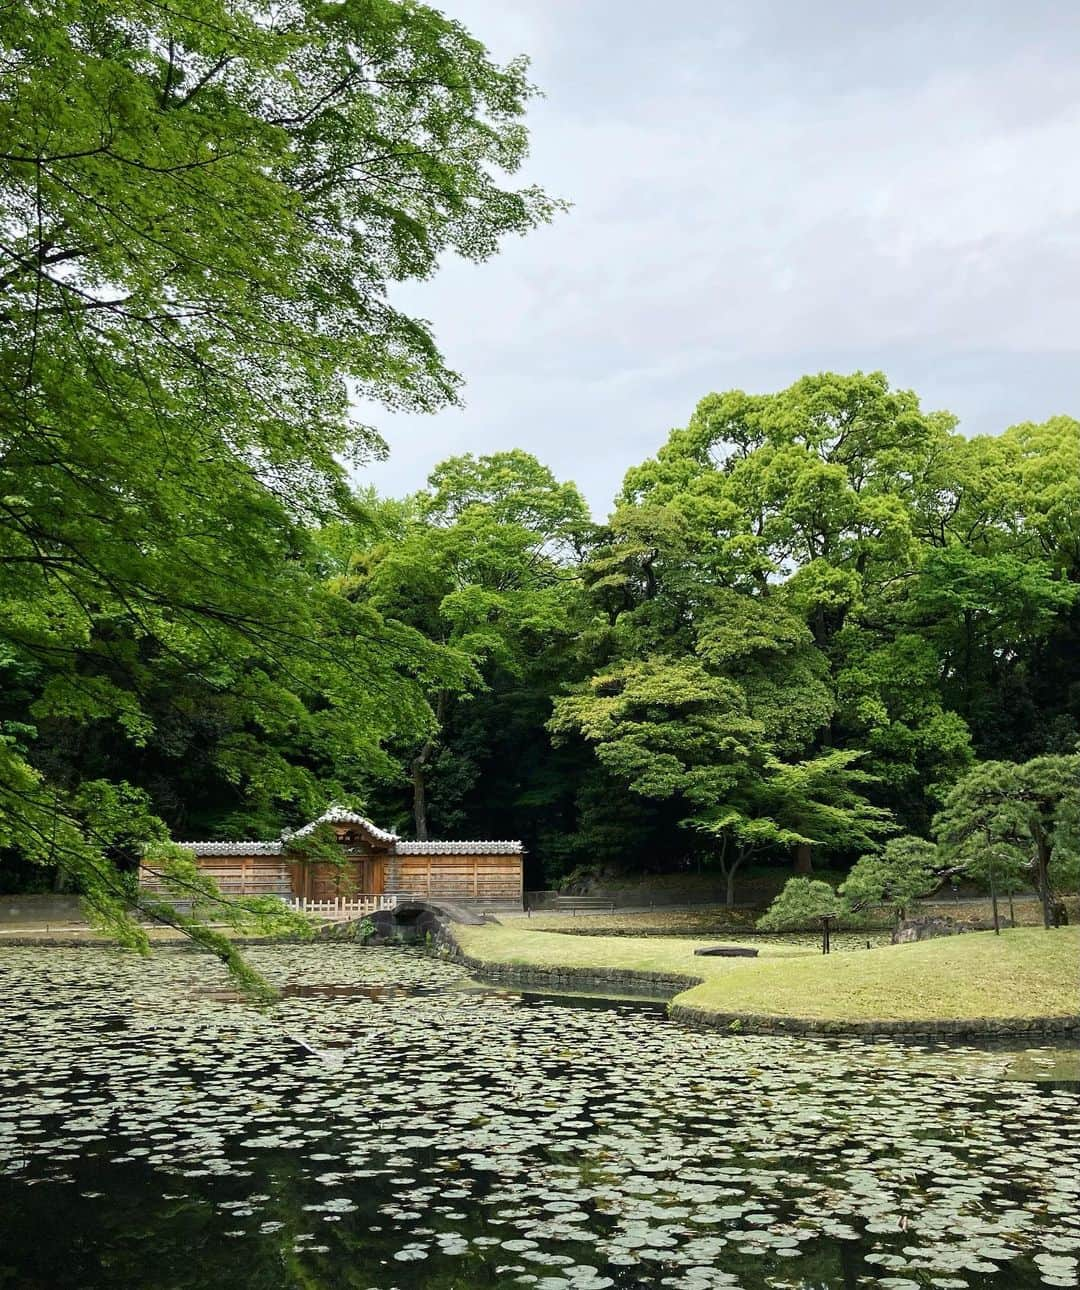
(483, 563)
(889, 600)
(202, 211)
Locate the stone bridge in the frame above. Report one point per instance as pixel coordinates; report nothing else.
(411, 919)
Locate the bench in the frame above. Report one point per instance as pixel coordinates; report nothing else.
(586, 904)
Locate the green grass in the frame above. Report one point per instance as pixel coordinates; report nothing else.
(518, 944)
(1025, 972)
(702, 920)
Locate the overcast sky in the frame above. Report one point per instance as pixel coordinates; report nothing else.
(762, 190)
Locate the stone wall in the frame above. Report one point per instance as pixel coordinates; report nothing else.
(971, 1027)
(40, 908)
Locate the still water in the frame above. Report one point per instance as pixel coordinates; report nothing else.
(389, 1124)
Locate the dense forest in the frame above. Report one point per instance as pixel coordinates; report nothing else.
(805, 619)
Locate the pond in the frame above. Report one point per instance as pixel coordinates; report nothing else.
(391, 1124)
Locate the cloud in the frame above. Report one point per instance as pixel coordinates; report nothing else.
(762, 190)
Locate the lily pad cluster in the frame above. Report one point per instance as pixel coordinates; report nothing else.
(389, 1124)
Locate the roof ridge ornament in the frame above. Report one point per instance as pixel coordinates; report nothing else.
(337, 814)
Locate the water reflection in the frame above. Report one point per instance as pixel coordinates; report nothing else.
(156, 1132)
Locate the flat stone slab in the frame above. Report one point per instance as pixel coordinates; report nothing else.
(726, 952)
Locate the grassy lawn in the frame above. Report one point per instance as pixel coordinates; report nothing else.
(1025, 972)
(706, 923)
(702, 920)
(520, 945)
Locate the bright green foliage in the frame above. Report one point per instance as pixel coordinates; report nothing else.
(201, 211)
(905, 869)
(887, 597)
(665, 727)
(821, 802)
(769, 651)
(668, 728)
(794, 807)
(803, 902)
(482, 563)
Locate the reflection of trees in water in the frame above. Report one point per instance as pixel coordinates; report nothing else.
(596, 1133)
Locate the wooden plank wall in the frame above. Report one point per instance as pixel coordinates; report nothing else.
(468, 879)
(484, 879)
(240, 875)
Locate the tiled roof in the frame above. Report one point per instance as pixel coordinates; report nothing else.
(338, 815)
(234, 848)
(458, 848)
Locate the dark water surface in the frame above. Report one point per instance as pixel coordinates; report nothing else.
(389, 1124)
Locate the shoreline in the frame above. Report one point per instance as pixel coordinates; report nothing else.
(678, 987)
(674, 987)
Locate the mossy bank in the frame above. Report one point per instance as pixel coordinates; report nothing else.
(1025, 981)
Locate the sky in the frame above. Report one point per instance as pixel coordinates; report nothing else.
(762, 189)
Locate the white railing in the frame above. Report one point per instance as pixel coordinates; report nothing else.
(342, 907)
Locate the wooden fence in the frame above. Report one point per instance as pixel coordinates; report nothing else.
(342, 907)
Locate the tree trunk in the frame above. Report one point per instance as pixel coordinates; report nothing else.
(1042, 875)
(729, 890)
(419, 791)
(803, 863)
(418, 770)
(825, 944)
(994, 899)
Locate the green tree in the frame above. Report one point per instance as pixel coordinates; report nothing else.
(200, 215)
(821, 802)
(804, 902)
(805, 503)
(483, 562)
(999, 807)
(759, 642)
(904, 870)
(666, 727)
(670, 729)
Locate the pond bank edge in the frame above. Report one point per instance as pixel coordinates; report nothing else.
(662, 986)
(672, 985)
